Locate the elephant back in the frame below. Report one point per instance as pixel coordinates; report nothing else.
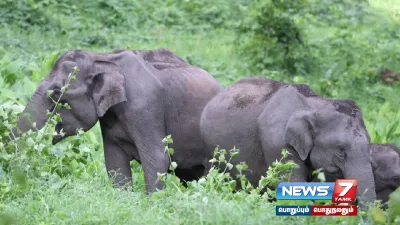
(162, 59)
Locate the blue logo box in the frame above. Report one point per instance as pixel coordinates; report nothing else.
(293, 210)
(305, 191)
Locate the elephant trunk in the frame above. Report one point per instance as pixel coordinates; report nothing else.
(361, 170)
(34, 112)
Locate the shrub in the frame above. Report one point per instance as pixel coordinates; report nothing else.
(325, 43)
(24, 13)
(32, 154)
(272, 40)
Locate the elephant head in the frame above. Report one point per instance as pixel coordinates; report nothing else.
(330, 134)
(385, 161)
(98, 86)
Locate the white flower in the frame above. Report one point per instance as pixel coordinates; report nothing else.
(160, 174)
(202, 180)
(174, 165)
(213, 161)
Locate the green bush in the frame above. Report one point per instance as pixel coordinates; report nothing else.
(33, 156)
(24, 13)
(92, 15)
(339, 12)
(271, 37)
(336, 45)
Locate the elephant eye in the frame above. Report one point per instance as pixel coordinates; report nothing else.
(56, 94)
(342, 151)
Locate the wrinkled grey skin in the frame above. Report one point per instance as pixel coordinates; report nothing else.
(139, 97)
(385, 161)
(262, 116)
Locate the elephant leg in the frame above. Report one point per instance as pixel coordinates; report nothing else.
(154, 161)
(148, 133)
(117, 164)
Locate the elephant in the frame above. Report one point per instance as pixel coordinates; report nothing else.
(139, 97)
(385, 161)
(260, 117)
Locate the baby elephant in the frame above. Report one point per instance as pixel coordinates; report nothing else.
(385, 161)
(261, 116)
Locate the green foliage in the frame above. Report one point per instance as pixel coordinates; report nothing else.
(384, 125)
(212, 13)
(219, 179)
(32, 156)
(340, 12)
(24, 13)
(81, 15)
(394, 203)
(276, 41)
(339, 45)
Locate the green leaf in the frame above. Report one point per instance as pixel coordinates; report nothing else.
(58, 118)
(158, 195)
(48, 114)
(171, 151)
(76, 150)
(92, 137)
(378, 215)
(392, 129)
(394, 203)
(59, 184)
(67, 106)
(30, 142)
(19, 177)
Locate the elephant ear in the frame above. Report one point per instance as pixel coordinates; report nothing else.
(299, 133)
(108, 86)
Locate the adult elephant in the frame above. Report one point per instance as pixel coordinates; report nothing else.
(261, 116)
(139, 97)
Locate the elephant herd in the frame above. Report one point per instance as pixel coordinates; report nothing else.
(141, 96)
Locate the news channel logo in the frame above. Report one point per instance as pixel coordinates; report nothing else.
(341, 191)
